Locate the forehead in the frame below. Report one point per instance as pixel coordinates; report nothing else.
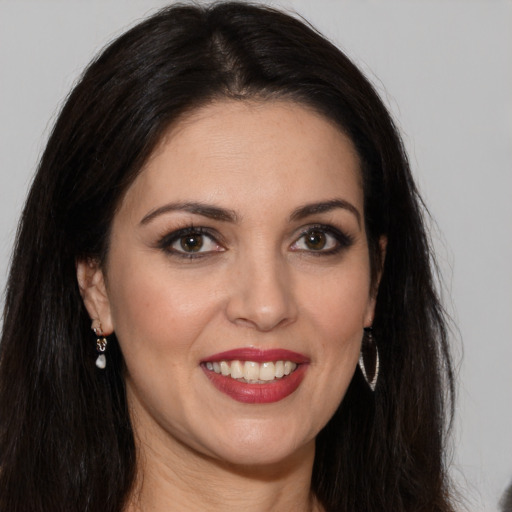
(238, 151)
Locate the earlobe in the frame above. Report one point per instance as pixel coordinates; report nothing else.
(91, 282)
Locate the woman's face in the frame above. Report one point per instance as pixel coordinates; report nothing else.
(238, 282)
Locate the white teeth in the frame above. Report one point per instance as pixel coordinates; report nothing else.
(267, 371)
(279, 369)
(224, 368)
(251, 371)
(237, 370)
(289, 367)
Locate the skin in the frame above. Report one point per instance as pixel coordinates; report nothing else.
(254, 283)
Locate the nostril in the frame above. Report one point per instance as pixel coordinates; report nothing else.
(262, 323)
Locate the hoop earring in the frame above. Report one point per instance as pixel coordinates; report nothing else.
(101, 346)
(369, 358)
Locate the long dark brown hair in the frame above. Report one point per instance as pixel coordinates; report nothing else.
(66, 442)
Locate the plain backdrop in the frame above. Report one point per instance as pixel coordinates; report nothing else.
(443, 67)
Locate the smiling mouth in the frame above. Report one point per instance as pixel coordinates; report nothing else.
(255, 376)
(252, 372)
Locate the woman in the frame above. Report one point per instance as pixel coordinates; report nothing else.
(222, 224)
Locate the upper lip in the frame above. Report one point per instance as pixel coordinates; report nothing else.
(257, 355)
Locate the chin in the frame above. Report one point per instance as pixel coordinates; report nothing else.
(265, 447)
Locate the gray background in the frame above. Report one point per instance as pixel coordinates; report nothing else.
(445, 70)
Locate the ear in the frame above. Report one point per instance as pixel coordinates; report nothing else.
(383, 244)
(370, 312)
(93, 290)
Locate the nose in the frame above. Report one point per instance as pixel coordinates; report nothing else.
(262, 295)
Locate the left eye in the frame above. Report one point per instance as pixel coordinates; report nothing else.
(317, 239)
(190, 242)
(193, 243)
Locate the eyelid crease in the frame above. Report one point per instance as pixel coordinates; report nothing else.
(324, 227)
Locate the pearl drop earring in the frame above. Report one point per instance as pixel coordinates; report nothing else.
(101, 346)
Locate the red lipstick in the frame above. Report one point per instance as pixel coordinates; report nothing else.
(258, 355)
(257, 393)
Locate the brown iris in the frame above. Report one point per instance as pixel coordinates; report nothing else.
(191, 243)
(315, 240)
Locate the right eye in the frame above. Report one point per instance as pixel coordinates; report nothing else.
(322, 240)
(190, 243)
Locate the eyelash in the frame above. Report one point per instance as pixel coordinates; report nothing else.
(167, 241)
(342, 241)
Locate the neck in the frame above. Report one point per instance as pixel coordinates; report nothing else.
(177, 478)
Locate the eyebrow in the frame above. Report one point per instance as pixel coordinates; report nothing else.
(211, 212)
(226, 215)
(323, 207)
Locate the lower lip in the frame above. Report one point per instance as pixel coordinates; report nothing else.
(248, 393)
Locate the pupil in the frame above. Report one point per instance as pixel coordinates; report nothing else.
(192, 243)
(315, 240)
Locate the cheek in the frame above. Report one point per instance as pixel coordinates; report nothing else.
(338, 311)
(154, 309)
(341, 303)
